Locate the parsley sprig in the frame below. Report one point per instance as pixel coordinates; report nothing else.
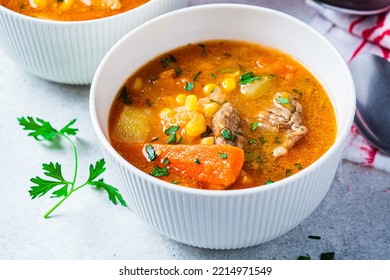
(54, 181)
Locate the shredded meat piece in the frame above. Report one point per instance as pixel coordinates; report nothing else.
(286, 118)
(227, 119)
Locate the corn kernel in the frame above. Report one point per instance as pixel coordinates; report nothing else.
(66, 4)
(166, 113)
(138, 84)
(181, 98)
(229, 84)
(207, 141)
(208, 88)
(191, 102)
(211, 108)
(195, 128)
(38, 3)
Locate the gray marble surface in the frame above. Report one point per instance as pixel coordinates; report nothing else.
(353, 220)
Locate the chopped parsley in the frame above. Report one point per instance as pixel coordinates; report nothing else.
(298, 165)
(171, 132)
(283, 100)
(166, 60)
(172, 139)
(166, 160)
(252, 141)
(327, 256)
(288, 172)
(174, 182)
(307, 257)
(206, 133)
(226, 134)
(297, 91)
(159, 171)
(178, 71)
(212, 76)
(222, 155)
(151, 152)
(197, 76)
(248, 78)
(254, 126)
(189, 86)
(172, 129)
(197, 161)
(268, 182)
(125, 97)
(203, 47)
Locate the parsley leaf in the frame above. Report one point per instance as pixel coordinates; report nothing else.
(55, 182)
(159, 171)
(248, 78)
(189, 86)
(113, 194)
(42, 186)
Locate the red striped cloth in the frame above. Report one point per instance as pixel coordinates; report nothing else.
(353, 35)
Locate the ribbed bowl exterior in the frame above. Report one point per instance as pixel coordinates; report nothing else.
(234, 218)
(69, 52)
(224, 221)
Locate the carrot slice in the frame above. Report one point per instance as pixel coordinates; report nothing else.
(214, 164)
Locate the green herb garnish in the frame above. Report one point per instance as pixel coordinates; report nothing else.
(151, 152)
(248, 78)
(206, 133)
(222, 155)
(42, 130)
(268, 182)
(298, 165)
(254, 126)
(197, 76)
(327, 256)
(178, 71)
(166, 160)
(288, 172)
(125, 97)
(203, 47)
(307, 257)
(197, 161)
(212, 76)
(297, 91)
(159, 171)
(172, 129)
(174, 182)
(189, 86)
(226, 134)
(283, 100)
(252, 141)
(172, 139)
(262, 139)
(166, 60)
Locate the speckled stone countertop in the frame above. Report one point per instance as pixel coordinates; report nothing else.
(352, 221)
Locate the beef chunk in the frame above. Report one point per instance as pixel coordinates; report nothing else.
(226, 126)
(286, 118)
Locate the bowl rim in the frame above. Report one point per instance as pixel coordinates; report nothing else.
(339, 141)
(54, 22)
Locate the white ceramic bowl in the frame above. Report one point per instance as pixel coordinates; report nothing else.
(234, 218)
(70, 51)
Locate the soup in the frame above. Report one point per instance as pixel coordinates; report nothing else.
(71, 10)
(222, 115)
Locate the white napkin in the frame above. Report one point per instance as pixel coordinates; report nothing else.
(353, 35)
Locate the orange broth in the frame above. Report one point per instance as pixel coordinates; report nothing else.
(71, 10)
(159, 91)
